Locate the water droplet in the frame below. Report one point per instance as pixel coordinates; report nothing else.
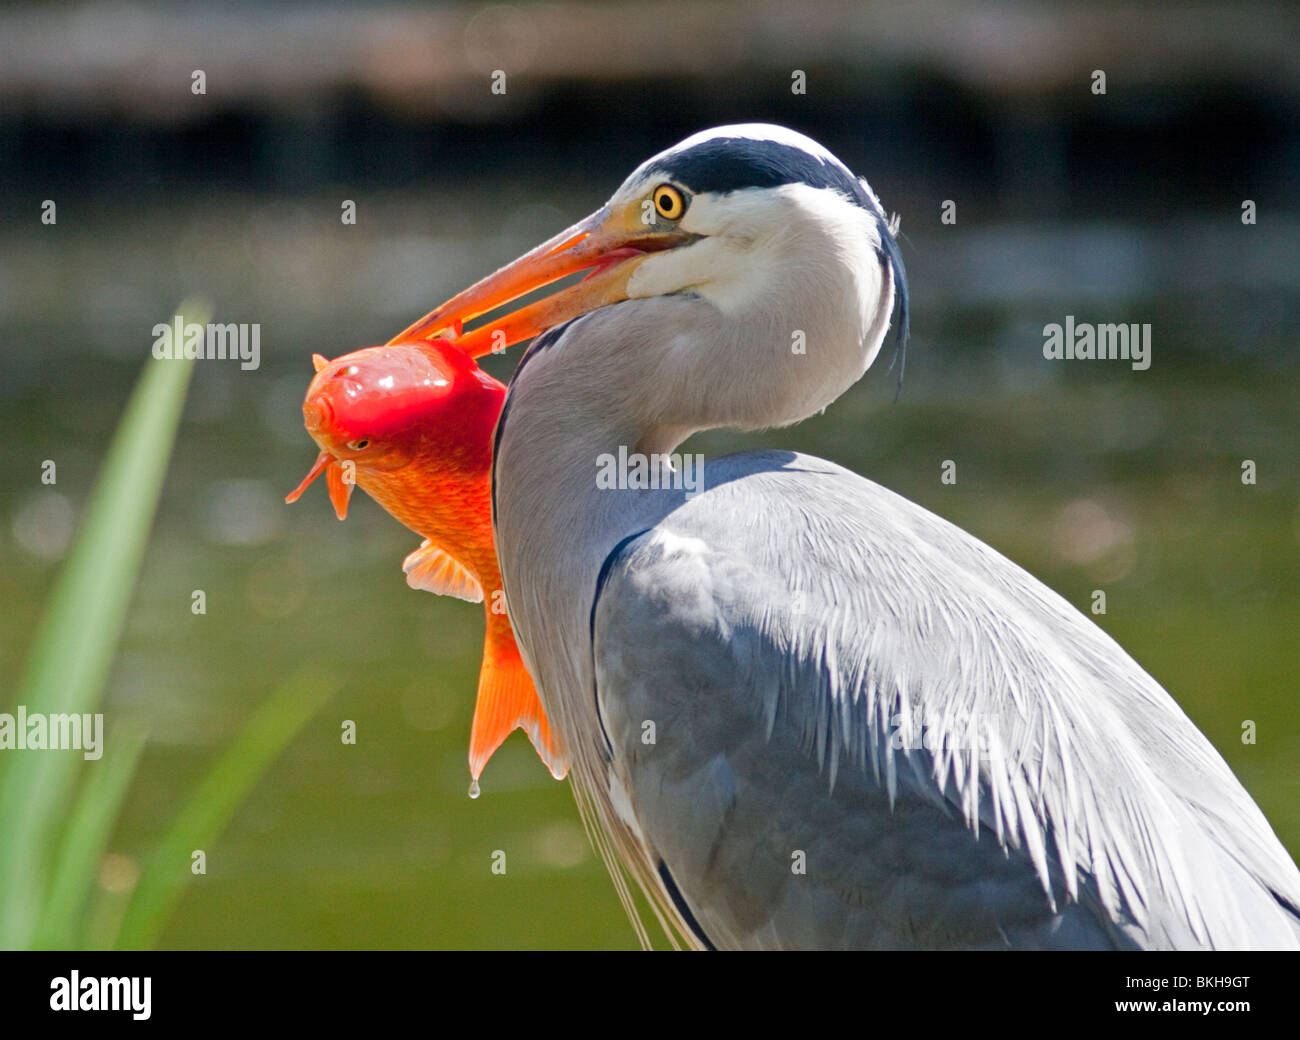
(473, 789)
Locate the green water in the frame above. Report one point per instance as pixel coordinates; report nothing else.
(1092, 477)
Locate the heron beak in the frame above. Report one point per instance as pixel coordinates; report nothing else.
(609, 243)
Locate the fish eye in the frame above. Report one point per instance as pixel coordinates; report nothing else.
(670, 202)
(358, 445)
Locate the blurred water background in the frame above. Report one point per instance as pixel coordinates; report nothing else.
(1123, 207)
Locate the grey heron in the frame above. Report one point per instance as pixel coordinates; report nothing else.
(742, 675)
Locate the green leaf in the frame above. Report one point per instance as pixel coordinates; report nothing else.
(79, 631)
(201, 822)
(84, 840)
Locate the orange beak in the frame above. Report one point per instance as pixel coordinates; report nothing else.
(612, 244)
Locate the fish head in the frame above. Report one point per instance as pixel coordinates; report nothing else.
(382, 408)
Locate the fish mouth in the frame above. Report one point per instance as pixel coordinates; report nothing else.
(317, 414)
(611, 244)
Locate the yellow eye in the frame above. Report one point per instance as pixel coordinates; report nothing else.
(669, 202)
(358, 445)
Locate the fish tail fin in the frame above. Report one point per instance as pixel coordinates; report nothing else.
(507, 700)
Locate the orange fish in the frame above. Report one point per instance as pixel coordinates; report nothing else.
(411, 423)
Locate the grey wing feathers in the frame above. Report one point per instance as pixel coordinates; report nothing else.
(896, 737)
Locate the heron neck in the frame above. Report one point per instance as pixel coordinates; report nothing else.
(556, 520)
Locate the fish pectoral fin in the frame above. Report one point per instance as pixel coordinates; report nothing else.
(340, 487)
(323, 460)
(507, 700)
(436, 570)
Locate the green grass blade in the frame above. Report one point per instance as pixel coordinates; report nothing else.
(85, 838)
(78, 634)
(200, 823)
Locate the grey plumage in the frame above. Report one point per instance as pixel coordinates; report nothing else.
(746, 678)
(1092, 812)
(782, 631)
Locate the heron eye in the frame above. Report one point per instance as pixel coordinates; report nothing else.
(669, 202)
(358, 445)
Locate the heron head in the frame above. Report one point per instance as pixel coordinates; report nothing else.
(759, 245)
